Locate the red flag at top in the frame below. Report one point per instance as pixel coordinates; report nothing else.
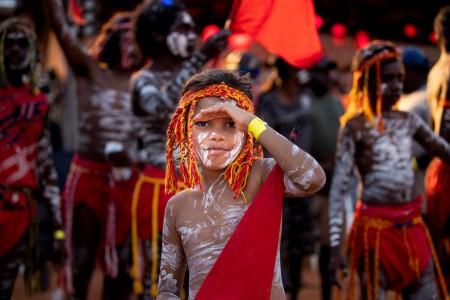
(285, 27)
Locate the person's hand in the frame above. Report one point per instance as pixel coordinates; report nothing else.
(226, 109)
(337, 262)
(215, 44)
(59, 254)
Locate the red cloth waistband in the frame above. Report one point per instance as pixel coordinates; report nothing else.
(91, 165)
(396, 213)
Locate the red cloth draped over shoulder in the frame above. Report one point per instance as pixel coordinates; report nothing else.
(245, 268)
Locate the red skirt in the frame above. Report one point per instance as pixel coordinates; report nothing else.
(403, 245)
(15, 217)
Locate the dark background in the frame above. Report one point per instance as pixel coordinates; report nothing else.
(382, 19)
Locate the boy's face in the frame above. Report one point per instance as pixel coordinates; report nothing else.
(182, 39)
(16, 51)
(217, 142)
(392, 77)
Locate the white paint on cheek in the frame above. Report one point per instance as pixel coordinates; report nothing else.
(233, 153)
(177, 43)
(384, 87)
(200, 149)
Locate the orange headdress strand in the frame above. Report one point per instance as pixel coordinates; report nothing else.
(359, 95)
(180, 142)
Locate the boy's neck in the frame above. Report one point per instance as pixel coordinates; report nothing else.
(211, 178)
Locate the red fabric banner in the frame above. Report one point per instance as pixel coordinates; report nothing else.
(285, 27)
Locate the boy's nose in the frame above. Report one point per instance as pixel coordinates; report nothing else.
(216, 135)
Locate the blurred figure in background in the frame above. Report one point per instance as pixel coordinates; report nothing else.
(27, 172)
(97, 206)
(287, 108)
(377, 140)
(414, 99)
(438, 173)
(164, 33)
(326, 111)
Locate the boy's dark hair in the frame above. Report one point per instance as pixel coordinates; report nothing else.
(363, 55)
(366, 57)
(442, 26)
(366, 67)
(157, 16)
(215, 76)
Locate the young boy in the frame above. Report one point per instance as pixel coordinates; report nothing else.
(226, 224)
(389, 243)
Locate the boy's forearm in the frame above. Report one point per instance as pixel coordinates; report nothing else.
(297, 164)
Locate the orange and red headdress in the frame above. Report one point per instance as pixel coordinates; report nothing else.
(359, 94)
(180, 142)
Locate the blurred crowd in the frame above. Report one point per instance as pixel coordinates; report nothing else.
(93, 117)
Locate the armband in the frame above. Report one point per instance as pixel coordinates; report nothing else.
(444, 103)
(256, 127)
(59, 234)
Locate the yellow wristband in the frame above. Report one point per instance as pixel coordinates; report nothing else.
(59, 234)
(256, 127)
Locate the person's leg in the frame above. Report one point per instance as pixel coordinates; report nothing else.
(424, 287)
(85, 237)
(382, 279)
(121, 287)
(9, 266)
(324, 259)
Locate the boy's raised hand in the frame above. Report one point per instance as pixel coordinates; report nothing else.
(227, 109)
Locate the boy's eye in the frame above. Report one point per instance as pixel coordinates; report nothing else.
(201, 123)
(231, 124)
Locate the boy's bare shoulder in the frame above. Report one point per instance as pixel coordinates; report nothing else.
(180, 198)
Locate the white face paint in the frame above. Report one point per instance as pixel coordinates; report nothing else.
(178, 44)
(217, 143)
(181, 42)
(20, 58)
(215, 156)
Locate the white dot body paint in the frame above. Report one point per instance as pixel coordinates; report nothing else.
(384, 87)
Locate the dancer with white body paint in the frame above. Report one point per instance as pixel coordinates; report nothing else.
(98, 190)
(226, 224)
(389, 243)
(438, 173)
(164, 32)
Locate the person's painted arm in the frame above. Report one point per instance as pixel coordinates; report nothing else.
(303, 172)
(47, 177)
(340, 184)
(173, 259)
(74, 51)
(436, 145)
(149, 98)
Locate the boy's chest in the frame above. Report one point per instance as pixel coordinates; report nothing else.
(209, 224)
